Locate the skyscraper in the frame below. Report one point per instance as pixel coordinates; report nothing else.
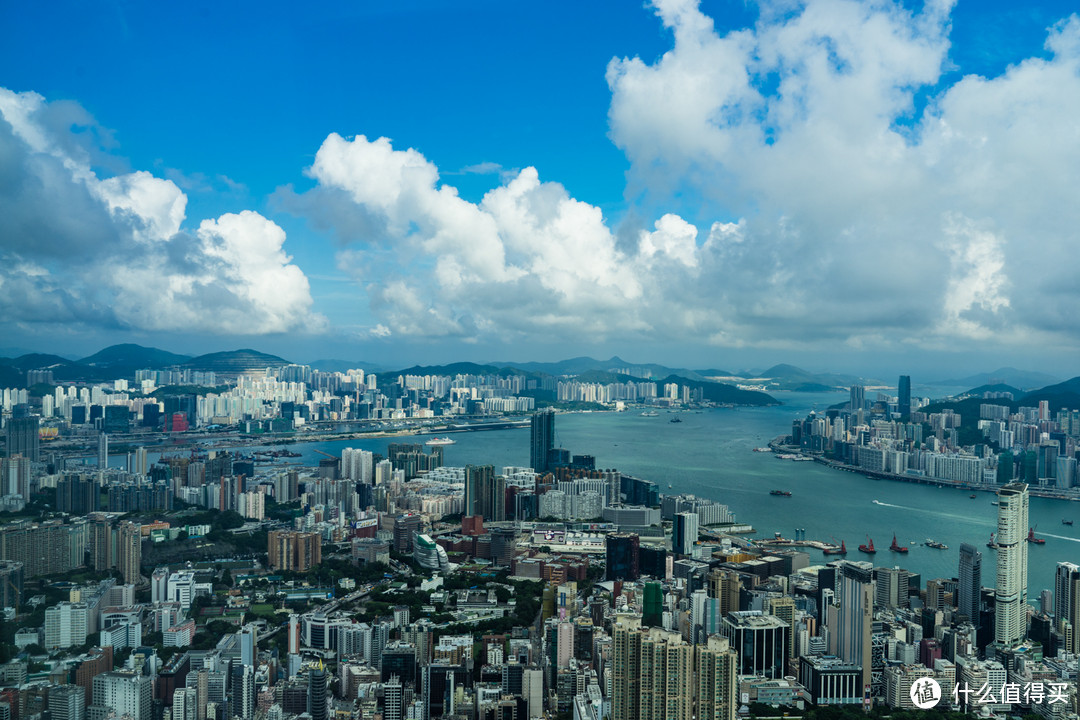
(622, 556)
(858, 398)
(130, 551)
(969, 590)
(684, 533)
(543, 439)
(855, 591)
(22, 438)
(657, 675)
(480, 491)
(1010, 596)
(1067, 604)
(103, 451)
(903, 399)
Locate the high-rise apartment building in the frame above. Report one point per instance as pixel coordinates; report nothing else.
(22, 435)
(292, 550)
(1010, 596)
(657, 675)
(542, 429)
(969, 589)
(1067, 604)
(129, 545)
(184, 703)
(124, 693)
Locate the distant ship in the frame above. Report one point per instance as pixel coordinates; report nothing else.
(869, 547)
(782, 493)
(1066, 522)
(897, 547)
(936, 545)
(440, 441)
(676, 419)
(973, 496)
(992, 545)
(842, 550)
(763, 449)
(1034, 540)
(650, 413)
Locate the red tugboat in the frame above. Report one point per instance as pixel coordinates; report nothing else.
(869, 547)
(896, 547)
(842, 550)
(1034, 540)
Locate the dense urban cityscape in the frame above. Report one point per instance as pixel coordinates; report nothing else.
(164, 555)
(828, 469)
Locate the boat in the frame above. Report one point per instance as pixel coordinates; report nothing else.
(897, 547)
(1066, 522)
(992, 545)
(842, 550)
(781, 493)
(993, 502)
(440, 441)
(763, 449)
(650, 413)
(676, 419)
(1034, 540)
(936, 545)
(868, 548)
(973, 496)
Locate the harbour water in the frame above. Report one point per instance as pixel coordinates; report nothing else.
(710, 454)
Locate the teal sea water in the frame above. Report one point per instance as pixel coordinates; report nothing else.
(710, 454)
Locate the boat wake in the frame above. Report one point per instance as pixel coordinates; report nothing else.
(902, 507)
(1060, 537)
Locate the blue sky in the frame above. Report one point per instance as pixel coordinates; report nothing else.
(174, 181)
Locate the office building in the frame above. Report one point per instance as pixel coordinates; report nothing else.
(969, 589)
(125, 693)
(903, 397)
(684, 533)
(761, 641)
(622, 556)
(68, 702)
(542, 428)
(891, 588)
(393, 700)
(1067, 604)
(103, 451)
(855, 593)
(1010, 595)
(185, 704)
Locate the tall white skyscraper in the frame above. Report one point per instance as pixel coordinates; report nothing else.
(1010, 597)
(1067, 604)
(184, 704)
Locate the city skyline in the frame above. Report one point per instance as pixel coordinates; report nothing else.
(711, 186)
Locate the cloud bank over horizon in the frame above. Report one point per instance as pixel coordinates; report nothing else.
(854, 194)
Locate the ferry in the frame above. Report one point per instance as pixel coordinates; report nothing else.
(992, 545)
(650, 413)
(781, 493)
(897, 547)
(440, 441)
(763, 449)
(936, 545)
(1066, 522)
(869, 547)
(1034, 540)
(676, 419)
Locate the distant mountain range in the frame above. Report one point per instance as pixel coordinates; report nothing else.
(718, 385)
(1023, 379)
